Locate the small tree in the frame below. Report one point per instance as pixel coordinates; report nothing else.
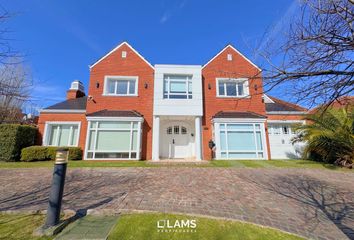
(315, 58)
(14, 91)
(14, 76)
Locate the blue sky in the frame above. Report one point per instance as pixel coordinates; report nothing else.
(61, 38)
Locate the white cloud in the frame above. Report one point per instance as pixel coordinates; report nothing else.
(165, 17)
(170, 12)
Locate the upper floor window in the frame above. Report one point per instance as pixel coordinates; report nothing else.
(232, 87)
(121, 86)
(177, 86)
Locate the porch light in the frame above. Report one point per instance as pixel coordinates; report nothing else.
(97, 85)
(209, 86)
(146, 85)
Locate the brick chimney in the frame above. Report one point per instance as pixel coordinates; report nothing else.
(76, 90)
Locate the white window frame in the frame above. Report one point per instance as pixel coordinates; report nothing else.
(279, 123)
(120, 78)
(132, 120)
(245, 82)
(216, 128)
(188, 81)
(48, 132)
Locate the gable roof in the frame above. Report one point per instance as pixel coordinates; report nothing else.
(278, 105)
(77, 104)
(116, 48)
(233, 48)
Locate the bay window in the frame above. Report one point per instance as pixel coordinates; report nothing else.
(177, 86)
(113, 140)
(232, 87)
(240, 140)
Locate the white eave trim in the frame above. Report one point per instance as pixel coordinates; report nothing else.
(285, 113)
(267, 99)
(135, 119)
(238, 120)
(136, 52)
(229, 45)
(62, 111)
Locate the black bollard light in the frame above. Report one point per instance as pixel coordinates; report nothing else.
(57, 188)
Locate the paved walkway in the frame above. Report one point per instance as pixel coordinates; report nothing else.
(313, 203)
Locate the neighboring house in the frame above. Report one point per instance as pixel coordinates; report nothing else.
(135, 110)
(342, 102)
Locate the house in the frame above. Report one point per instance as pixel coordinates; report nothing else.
(135, 110)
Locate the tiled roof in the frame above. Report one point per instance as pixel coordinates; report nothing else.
(112, 113)
(71, 104)
(282, 106)
(233, 114)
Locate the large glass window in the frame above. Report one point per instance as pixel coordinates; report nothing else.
(113, 139)
(240, 140)
(121, 86)
(177, 86)
(232, 87)
(62, 134)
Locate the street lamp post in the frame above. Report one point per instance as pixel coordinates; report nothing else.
(57, 188)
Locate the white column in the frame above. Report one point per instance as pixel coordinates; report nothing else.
(198, 142)
(156, 139)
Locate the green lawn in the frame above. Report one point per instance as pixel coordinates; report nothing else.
(20, 227)
(144, 226)
(215, 163)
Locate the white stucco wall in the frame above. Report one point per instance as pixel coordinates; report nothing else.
(178, 107)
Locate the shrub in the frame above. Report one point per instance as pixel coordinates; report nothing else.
(43, 153)
(329, 135)
(35, 153)
(14, 137)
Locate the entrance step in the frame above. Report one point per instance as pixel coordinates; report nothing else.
(89, 227)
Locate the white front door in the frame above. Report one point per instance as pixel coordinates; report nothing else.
(176, 142)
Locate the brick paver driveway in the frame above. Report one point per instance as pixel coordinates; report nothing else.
(313, 203)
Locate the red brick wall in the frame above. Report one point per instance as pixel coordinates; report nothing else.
(221, 67)
(132, 65)
(65, 117)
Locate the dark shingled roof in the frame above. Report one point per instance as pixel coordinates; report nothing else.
(282, 106)
(112, 113)
(71, 104)
(222, 114)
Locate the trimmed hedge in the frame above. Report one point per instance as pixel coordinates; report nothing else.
(44, 153)
(14, 137)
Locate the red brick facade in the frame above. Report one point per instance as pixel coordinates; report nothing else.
(220, 67)
(132, 65)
